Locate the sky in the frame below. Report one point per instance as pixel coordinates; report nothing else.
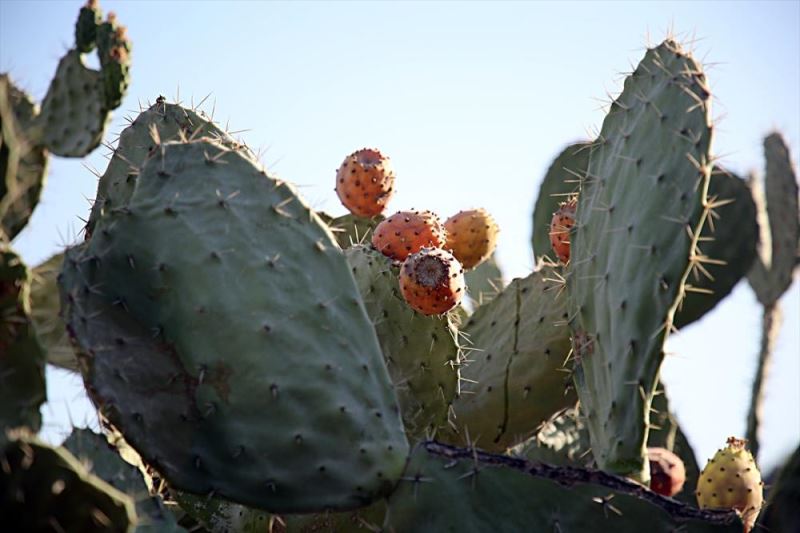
(471, 101)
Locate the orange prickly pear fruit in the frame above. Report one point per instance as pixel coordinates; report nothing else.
(471, 236)
(432, 281)
(406, 232)
(731, 480)
(560, 226)
(667, 473)
(365, 182)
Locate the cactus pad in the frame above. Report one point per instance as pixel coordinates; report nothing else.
(422, 353)
(640, 210)
(270, 387)
(514, 376)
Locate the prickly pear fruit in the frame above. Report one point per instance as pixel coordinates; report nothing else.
(365, 182)
(667, 473)
(406, 232)
(432, 281)
(560, 225)
(471, 236)
(731, 480)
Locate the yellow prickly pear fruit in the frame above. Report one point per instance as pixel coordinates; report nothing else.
(471, 236)
(731, 480)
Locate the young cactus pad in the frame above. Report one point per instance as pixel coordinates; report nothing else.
(514, 375)
(641, 208)
(421, 352)
(272, 389)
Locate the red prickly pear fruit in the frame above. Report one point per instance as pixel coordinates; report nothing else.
(471, 236)
(406, 232)
(560, 226)
(365, 182)
(432, 281)
(731, 480)
(667, 473)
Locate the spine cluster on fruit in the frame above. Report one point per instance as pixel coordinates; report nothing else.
(269, 366)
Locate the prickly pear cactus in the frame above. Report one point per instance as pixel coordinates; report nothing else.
(641, 208)
(422, 353)
(23, 166)
(22, 360)
(561, 180)
(257, 375)
(351, 230)
(104, 461)
(46, 489)
(161, 122)
(467, 490)
(514, 376)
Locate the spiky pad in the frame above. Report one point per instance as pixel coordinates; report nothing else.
(45, 309)
(270, 387)
(514, 378)
(562, 179)
(666, 432)
(89, 18)
(103, 461)
(421, 352)
(22, 360)
(728, 239)
(23, 165)
(639, 213)
(449, 489)
(361, 520)
(74, 113)
(47, 489)
(161, 122)
(779, 218)
(484, 281)
(562, 440)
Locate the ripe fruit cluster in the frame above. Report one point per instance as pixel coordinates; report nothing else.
(433, 255)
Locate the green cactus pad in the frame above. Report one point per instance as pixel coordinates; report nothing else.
(161, 122)
(23, 165)
(466, 490)
(74, 115)
(22, 360)
(350, 229)
(484, 281)
(257, 373)
(114, 50)
(421, 352)
(514, 376)
(639, 215)
(779, 221)
(103, 461)
(561, 180)
(47, 489)
(361, 520)
(89, 18)
(45, 308)
(562, 440)
(729, 239)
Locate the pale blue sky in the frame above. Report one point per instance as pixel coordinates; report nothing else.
(471, 101)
